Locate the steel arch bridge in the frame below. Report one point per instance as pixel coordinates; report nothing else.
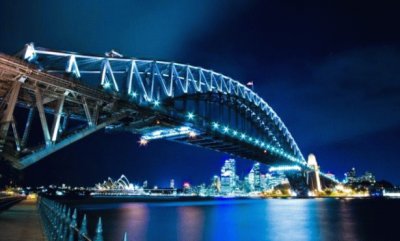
(80, 94)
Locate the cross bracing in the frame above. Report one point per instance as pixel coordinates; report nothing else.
(153, 80)
(145, 93)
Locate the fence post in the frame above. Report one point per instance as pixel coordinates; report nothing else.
(72, 226)
(99, 231)
(125, 237)
(83, 229)
(61, 224)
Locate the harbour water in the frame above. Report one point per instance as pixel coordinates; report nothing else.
(258, 220)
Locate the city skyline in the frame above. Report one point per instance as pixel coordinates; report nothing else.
(256, 176)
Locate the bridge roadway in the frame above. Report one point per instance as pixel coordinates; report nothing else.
(81, 94)
(21, 222)
(60, 98)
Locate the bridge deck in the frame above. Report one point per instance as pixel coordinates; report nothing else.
(21, 222)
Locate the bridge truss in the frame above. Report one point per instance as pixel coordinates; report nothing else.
(80, 94)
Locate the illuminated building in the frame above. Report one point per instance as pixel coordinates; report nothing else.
(254, 178)
(121, 184)
(216, 184)
(228, 176)
(186, 188)
(350, 176)
(186, 185)
(367, 177)
(262, 181)
(274, 179)
(172, 183)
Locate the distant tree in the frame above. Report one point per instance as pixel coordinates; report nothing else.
(328, 191)
(384, 184)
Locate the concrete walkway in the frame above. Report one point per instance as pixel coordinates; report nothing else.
(21, 222)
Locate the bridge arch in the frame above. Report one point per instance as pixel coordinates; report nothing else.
(143, 96)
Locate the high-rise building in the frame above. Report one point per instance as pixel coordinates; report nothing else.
(350, 176)
(262, 181)
(254, 177)
(216, 184)
(250, 179)
(172, 183)
(228, 176)
(274, 179)
(367, 177)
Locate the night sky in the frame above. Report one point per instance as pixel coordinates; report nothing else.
(330, 70)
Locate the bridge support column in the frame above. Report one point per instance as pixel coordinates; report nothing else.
(87, 112)
(298, 183)
(57, 118)
(28, 125)
(42, 115)
(7, 116)
(16, 137)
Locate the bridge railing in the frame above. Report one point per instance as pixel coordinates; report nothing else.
(62, 224)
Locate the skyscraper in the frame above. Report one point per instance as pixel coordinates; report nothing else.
(254, 177)
(274, 179)
(216, 184)
(350, 176)
(367, 177)
(228, 176)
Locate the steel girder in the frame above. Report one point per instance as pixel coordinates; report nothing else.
(56, 100)
(148, 82)
(102, 91)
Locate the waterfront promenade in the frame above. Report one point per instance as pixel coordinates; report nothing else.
(21, 222)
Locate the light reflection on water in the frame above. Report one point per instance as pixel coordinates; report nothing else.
(190, 223)
(235, 220)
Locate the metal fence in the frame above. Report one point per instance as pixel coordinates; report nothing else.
(62, 224)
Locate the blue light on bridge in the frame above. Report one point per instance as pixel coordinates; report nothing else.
(284, 168)
(190, 116)
(256, 142)
(215, 125)
(169, 80)
(107, 85)
(170, 132)
(156, 103)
